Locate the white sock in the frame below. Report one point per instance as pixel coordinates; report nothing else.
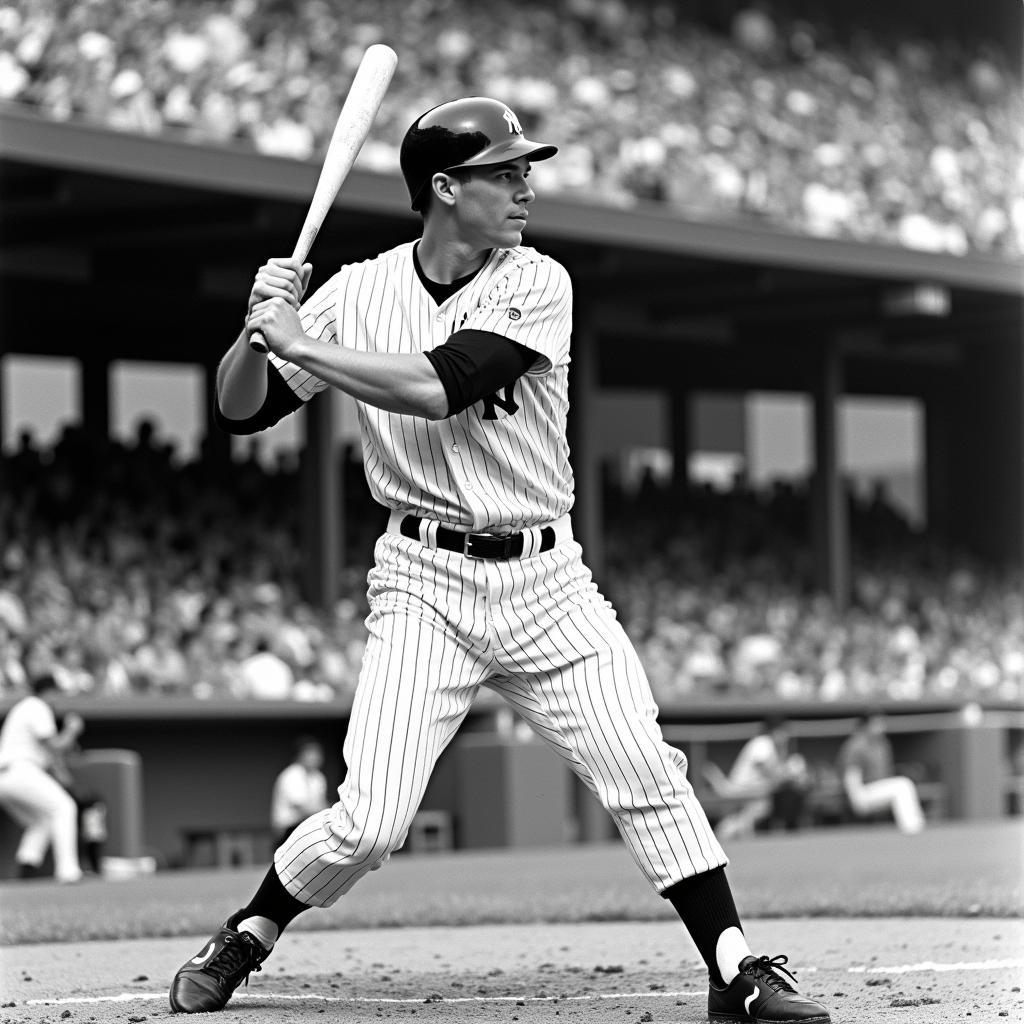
(263, 930)
(730, 949)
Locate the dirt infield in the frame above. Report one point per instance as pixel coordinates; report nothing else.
(882, 928)
(920, 971)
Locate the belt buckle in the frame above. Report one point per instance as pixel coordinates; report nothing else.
(506, 546)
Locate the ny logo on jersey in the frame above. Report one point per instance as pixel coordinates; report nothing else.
(514, 127)
(507, 402)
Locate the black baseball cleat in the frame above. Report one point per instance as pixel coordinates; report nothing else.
(208, 980)
(760, 994)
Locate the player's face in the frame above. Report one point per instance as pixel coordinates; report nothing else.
(492, 204)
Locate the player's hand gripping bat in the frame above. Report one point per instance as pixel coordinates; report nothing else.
(361, 105)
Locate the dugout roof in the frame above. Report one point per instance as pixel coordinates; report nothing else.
(120, 246)
(150, 244)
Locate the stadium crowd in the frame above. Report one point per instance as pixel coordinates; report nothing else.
(757, 116)
(715, 590)
(124, 572)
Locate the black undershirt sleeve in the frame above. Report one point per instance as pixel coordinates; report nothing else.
(474, 364)
(280, 401)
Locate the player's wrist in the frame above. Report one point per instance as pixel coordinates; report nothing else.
(296, 349)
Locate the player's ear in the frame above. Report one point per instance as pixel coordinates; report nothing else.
(443, 187)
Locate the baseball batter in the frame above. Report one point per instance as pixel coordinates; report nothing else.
(456, 348)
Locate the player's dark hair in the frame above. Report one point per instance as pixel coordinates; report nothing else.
(44, 683)
(425, 151)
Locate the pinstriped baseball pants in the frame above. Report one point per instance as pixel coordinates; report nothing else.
(537, 631)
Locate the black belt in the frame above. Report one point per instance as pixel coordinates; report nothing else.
(478, 545)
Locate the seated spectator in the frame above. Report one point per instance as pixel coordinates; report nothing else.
(264, 674)
(159, 665)
(865, 765)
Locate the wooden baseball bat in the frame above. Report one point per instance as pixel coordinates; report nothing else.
(371, 81)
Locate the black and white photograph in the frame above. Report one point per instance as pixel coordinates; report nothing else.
(512, 513)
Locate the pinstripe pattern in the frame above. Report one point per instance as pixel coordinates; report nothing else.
(498, 474)
(534, 628)
(538, 632)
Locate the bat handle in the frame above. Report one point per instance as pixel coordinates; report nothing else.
(258, 343)
(256, 340)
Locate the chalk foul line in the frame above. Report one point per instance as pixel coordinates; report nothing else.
(127, 997)
(931, 965)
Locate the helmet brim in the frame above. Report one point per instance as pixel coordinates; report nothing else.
(504, 151)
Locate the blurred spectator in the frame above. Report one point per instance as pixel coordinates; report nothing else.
(158, 665)
(727, 604)
(746, 113)
(865, 765)
(299, 790)
(29, 792)
(125, 572)
(264, 674)
(769, 776)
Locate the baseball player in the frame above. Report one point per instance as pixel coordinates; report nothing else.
(455, 348)
(299, 789)
(869, 778)
(29, 743)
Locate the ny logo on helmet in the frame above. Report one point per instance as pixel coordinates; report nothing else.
(514, 127)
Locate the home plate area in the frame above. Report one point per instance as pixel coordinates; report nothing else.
(915, 971)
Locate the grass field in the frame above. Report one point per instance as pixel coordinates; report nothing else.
(953, 869)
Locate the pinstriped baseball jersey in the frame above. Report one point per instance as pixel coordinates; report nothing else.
(503, 463)
(443, 623)
(451, 608)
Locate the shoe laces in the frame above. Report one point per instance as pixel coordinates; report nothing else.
(240, 952)
(766, 969)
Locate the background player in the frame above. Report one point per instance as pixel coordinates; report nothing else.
(29, 740)
(456, 350)
(870, 782)
(771, 777)
(300, 789)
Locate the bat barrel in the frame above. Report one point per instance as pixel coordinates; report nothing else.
(372, 78)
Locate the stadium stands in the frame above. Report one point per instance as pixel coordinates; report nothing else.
(721, 604)
(128, 573)
(133, 575)
(762, 117)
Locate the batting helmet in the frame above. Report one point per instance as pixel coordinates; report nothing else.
(470, 132)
